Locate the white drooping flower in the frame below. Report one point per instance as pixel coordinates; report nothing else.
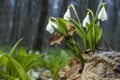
(102, 15)
(54, 25)
(50, 27)
(86, 20)
(67, 15)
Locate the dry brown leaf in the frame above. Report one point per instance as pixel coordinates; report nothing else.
(70, 29)
(57, 38)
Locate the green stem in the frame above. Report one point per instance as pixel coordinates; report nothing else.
(74, 47)
(14, 47)
(79, 56)
(75, 13)
(94, 37)
(52, 18)
(91, 12)
(93, 30)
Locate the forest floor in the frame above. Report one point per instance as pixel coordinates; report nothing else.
(104, 65)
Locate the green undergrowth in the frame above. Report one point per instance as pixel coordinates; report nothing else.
(17, 62)
(53, 60)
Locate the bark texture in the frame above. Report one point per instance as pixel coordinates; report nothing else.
(102, 66)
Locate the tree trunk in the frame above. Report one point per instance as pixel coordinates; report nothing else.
(40, 31)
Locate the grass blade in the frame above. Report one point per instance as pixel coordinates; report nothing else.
(14, 47)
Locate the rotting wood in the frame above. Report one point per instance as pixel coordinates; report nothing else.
(99, 66)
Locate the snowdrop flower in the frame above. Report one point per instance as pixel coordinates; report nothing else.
(102, 15)
(54, 25)
(50, 27)
(86, 20)
(67, 14)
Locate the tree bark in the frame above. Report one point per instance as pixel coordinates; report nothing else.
(98, 66)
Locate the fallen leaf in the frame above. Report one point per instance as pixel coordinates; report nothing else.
(57, 38)
(70, 29)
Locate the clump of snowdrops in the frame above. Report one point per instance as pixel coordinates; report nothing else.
(89, 31)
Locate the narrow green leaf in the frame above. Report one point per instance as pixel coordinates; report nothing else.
(22, 51)
(4, 60)
(62, 26)
(99, 36)
(98, 32)
(89, 41)
(18, 67)
(80, 34)
(78, 26)
(8, 77)
(29, 60)
(14, 47)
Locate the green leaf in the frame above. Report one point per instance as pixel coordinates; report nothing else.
(4, 60)
(80, 31)
(18, 67)
(75, 23)
(91, 24)
(29, 62)
(14, 47)
(54, 61)
(61, 23)
(42, 63)
(89, 37)
(82, 37)
(98, 32)
(8, 77)
(74, 47)
(20, 58)
(64, 58)
(22, 51)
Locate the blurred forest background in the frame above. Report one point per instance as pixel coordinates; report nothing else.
(28, 19)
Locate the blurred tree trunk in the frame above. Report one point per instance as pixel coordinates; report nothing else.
(15, 31)
(40, 30)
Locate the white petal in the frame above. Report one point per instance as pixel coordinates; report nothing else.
(49, 28)
(104, 15)
(100, 14)
(86, 21)
(54, 25)
(67, 14)
(49, 25)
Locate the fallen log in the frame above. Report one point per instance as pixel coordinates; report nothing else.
(103, 65)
